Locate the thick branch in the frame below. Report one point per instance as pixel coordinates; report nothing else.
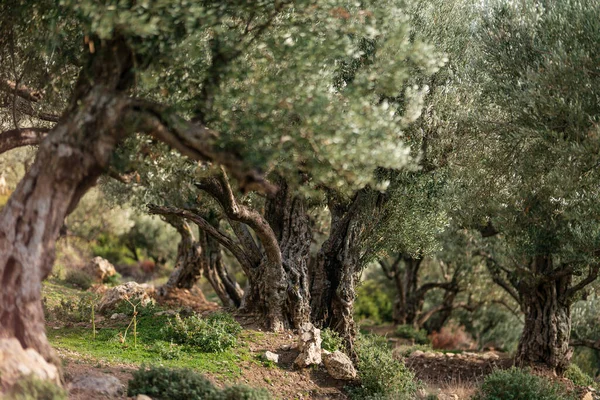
(21, 137)
(219, 236)
(592, 344)
(591, 277)
(21, 91)
(196, 141)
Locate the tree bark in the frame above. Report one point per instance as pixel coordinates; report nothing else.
(215, 272)
(187, 269)
(547, 308)
(335, 273)
(67, 164)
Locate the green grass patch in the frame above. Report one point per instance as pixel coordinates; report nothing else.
(151, 349)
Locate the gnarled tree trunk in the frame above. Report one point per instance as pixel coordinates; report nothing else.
(187, 269)
(215, 272)
(67, 164)
(546, 304)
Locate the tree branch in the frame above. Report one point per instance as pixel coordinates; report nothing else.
(22, 91)
(592, 344)
(196, 141)
(21, 137)
(591, 277)
(219, 236)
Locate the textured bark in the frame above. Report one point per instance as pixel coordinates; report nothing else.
(335, 273)
(215, 272)
(21, 137)
(408, 302)
(188, 268)
(547, 307)
(31, 220)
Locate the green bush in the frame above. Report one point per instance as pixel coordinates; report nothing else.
(578, 377)
(419, 336)
(215, 333)
(79, 278)
(372, 303)
(381, 375)
(33, 388)
(166, 351)
(519, 384)
(332, 341)
(184, 384)
(112, 280)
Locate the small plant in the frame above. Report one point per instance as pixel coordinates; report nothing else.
(112, 280)
(132, 322)
(578, 377)
(166, 350)
(33, 388)
(215, 333)
(519, 384)
(418, 336)
(382, 376)
(183, 384)
(79, 279)
(332, 341)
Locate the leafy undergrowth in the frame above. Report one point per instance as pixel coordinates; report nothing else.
(151, 348)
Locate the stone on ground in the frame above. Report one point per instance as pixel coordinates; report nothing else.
(16, 362)
(339, 365)
(270, 356)
(100, 269)
(130, 290)
(309, 345)
(104, 384)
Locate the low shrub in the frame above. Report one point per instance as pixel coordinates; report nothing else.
(519, 384)
(79, 279)
(451, 337)
(183, 384)
(332, 341)
(112, 280)
(578, 377)
(381, 375)
(166, 350)
(33, 388)
(418, 336)
(215, 333)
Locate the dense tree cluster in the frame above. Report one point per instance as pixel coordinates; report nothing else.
(454, 144)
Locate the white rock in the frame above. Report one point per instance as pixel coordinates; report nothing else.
(285, 347)
(130, 290)
(16, 362)
(270, 356)
(118, 316)
(104, 384)
(430, 354)
(339, 366)
(309, 345)
(417, 353)
(143, 397)
(490, 356)
(100, 269)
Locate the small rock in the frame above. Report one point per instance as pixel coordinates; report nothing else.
(588, 396)
(490, 356)
(270, 356)
(450, 355)
(103, 384)
(429, 354)
(166, 312)
(417, 353)
(143, 397)
(339, 366)
(309, 345)
(118, 316)
(100, 269)
(131, 290)
(285, 347)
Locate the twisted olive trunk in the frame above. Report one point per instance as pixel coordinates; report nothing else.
(67, 164)
(547, 308)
